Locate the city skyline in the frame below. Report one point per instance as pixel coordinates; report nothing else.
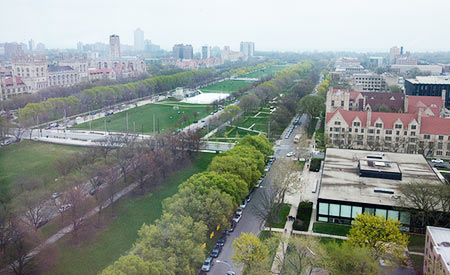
(306, 27)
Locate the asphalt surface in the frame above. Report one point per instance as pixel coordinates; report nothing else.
(250, 222)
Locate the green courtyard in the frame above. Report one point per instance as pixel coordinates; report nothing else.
(168, 116)
(226, 87)
(266, 71)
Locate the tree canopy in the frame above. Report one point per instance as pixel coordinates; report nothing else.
(312, 105)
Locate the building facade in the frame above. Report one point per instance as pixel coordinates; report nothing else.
(429, 86)
(32, 70)
(114, 46)
(368, 82)
(206, 52)
(62, 76)
(138, 40)
(181, 51)
(437, 251)
(80, 66)
(247, 48)
(11, 86)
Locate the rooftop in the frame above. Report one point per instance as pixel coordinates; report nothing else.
(430, 80)
(341, 179)
(56, 68)
(441, 236)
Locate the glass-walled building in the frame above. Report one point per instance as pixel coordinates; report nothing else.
(355, 182)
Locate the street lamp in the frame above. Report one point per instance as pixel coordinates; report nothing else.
(224, 262)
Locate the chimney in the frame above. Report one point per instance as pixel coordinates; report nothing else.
(405, 108)
(443, 95)
(419, 116)
(369, 118)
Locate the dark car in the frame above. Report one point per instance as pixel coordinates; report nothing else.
(233, 226)
(207, 264)
(221, 241)
(440, 165)
(216, 251)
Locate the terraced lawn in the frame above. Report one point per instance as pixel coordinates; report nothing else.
(227, 86)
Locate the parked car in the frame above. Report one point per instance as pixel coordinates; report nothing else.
(232, 227)
(237, 218)
(437, 161)
(239, 211)
(290, 154)
(260, 181)
(92, 191)
(216, 251)
(55, 195)
(207, 264)
(440, 165)
(267, 168)
(244, 204)
(248, 198)
(222, 240)
(230, 273)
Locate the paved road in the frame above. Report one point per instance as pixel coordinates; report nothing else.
(251, 222)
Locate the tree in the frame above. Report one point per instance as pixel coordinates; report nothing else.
(395, 89)
(249, 103)
(285, 178)
(304, 253)
(64, 165)
(31, 204)
(267, 207)
(382, 236)
(134, 265)
(311, 105)
(431, 202)
(248, 250)
(261, 143)
(351, 260)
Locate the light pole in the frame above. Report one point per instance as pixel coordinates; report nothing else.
(224, 262)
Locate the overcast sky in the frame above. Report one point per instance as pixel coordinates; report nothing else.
(294, 25)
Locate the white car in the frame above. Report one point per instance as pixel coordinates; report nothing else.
(237, 218)
(290, 154)
(239, 211)
(244, 204)
(437, 161)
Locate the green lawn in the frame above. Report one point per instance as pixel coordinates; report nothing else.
(119, 236)
(331, 228)
(283, 212)
(416, 242)
(166, 117)
(417, 262)
(267, 71)
(227, 86)
(31, 159)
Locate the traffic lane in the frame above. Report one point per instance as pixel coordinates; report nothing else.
(249, 223)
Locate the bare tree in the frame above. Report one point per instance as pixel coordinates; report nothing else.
(267, 208)
(32, 204)
(111, 180)
(77, 205)
(285, 178)
(64, 166)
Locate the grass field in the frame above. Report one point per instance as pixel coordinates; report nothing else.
(283, 212)
(166, 117)
(267, 71)
(331, 228)
(258, 123)
(119, 236)
(227, 86)
(31, 159)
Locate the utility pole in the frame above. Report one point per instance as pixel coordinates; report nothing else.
(153, 124)
(104, 121)
(134, 127)
(268, 129)
(127, 122)
(90, 125)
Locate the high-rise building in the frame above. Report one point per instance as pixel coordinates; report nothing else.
(248, 48)
(114, 46)
(206, 52)
(79, 46)
(181, 51)
(31, 45)
(138, 40)
(393, 53)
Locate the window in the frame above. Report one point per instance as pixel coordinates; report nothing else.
(336, 129)
(362, 130)
(440, 145)
(378, 131)
(323, 208)
(331, 129)
(323, 219)
(426, 136)
(398, 126)
(413, 133)
(393, 214)
(388, 138)
(350, 130)
(356, 131)
(397, 132)
(346, 211)
(405, 133)
(342, 103)
(381, 212)
(441, 137)
(388, 132)
(413, 127)
(357, 124)
(369, 211)
(337, 123)
(371, 131)
(379, 125)
(439, 153)
(334, 209)
(332, 103)
(356, 210)
(405, 217)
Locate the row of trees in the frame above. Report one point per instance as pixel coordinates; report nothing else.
(106, 170)
(371, 239)
(103, 96)
(203, 203)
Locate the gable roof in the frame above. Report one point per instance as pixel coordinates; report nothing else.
(434, 102)
(349, 116)
(435, 126)
(389, 119)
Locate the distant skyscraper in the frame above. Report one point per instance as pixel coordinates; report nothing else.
(138, 40)
(393, 53)
(181, 51)
(40, 47)
(31, 45)
(114, 46)
(79, 46)
(248, 48)
(206, 52)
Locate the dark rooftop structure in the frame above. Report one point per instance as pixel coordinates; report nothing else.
(56, 68)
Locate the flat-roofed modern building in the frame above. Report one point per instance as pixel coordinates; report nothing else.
(429, 86)
(357, 181)
(437, 251)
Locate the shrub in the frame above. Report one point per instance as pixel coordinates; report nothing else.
(303, 217)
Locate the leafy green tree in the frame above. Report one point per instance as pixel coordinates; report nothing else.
(249, 250)
(249, 103)
(232, 185)
(382, 236)
(261, 143)
(395, 89)
(174, 240)
(351, 260)
(312, 105)
(208, 205)
(304, 253)
(134, 265)
(249, 153)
